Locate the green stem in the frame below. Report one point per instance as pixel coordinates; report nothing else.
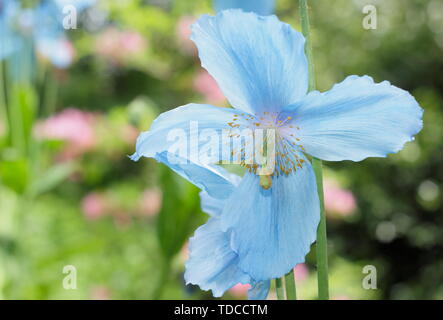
(322, 242)
(279, 289)
(3, 107)
(50, 98)
(16, 114)
(291, 293)
(305, 27)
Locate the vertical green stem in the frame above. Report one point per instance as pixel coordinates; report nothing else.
(50, 98)
(16, 114)
(322, 242)
(305, 27)
(279, 289)
(3, 107)
(291, 293)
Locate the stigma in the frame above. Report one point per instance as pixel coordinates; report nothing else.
(265, 182)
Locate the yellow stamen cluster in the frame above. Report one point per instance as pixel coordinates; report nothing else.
(287, 147)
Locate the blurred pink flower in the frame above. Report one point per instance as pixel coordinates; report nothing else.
(184, 252)
(130, 134)
(338, 201)
(73, 126)
(151, 202)
(341, 297)
(122, 220)
(240, 290)
(183, 32)
(205, 84)
(93, 206)
(132, 42)
(118, 46)
(301, 272)
(100, 293)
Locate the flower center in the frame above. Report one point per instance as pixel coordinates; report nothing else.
(266, 145)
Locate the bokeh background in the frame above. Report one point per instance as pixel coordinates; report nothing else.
(74, 101)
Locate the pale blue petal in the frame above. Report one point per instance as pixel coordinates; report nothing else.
(212, 264)
(261, 7)
(47, 21)
(210, 205)
(272, 230)
(258, 62)
(56, 50)
(188, 122)
(259, 290)
(212, 179)
(356, 119)
(214, 205)
(156, 143)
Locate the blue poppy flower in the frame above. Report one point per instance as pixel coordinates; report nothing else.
(262, 225)
(40, 27)
(261, 7)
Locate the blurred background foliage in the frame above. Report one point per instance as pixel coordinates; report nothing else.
(70, 196)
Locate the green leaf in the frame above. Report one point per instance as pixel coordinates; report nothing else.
(15, 174)
(52, 178)
(180, 213)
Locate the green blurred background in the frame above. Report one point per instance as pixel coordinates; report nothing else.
(72, 197)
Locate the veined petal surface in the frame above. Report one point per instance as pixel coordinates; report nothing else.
(258, 62)
(212, 264)
(272, 229)
(211, 205)
(186, 131)
(188, 140)
(356, 119)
